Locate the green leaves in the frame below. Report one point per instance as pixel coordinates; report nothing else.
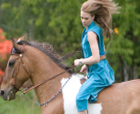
(5, 6)
(125, 44)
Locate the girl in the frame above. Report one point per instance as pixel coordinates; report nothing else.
(96, 18)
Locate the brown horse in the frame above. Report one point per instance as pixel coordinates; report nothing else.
(39, 62)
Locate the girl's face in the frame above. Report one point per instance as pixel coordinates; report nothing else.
(86, 19)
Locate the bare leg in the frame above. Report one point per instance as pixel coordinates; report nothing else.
(83, 112)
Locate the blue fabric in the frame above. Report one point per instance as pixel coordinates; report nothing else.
(100, 75)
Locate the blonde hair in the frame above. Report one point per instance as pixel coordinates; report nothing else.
(103, 10)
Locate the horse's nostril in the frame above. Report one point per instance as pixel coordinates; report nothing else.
(1, 92)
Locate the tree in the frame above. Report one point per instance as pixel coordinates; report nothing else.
(124, 47)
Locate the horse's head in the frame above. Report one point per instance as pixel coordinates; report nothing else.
(16, 72)
(35, 60)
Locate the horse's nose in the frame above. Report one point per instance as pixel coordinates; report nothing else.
(2, 92)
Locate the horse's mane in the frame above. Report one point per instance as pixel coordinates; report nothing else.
(47, 49)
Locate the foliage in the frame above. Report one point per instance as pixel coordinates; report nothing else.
(23, 105)
(125, 44)
(65, 21)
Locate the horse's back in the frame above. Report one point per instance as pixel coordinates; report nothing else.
(121, 98)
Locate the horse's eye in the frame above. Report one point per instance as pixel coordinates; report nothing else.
(11, 63)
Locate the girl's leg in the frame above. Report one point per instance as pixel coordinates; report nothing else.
(83, 112)
(92, 86)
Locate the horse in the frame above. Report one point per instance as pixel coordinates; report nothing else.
(39, 62)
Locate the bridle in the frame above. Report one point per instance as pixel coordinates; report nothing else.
(20, 60)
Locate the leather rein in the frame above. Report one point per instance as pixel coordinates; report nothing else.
(20, 60)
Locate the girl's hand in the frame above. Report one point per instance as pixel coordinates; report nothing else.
(84, 69)
(78, 62)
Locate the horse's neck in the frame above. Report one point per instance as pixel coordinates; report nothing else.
(44, 68)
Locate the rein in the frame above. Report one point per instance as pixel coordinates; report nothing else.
(45, 103)
(49, 79)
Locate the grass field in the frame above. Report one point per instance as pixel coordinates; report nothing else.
(26, 104)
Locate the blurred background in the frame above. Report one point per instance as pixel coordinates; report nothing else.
(58, 23)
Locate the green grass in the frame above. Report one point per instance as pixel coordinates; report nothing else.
(26, 104)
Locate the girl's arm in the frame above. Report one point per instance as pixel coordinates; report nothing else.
(95, 57)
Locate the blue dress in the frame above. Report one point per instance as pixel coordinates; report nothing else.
(100, 75)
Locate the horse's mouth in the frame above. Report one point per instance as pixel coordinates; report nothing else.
(10, 95)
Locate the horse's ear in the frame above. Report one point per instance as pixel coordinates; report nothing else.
(15, 45)
(21, 38)
(22, 41)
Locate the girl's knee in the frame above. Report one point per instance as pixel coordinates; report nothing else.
(80, 99)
